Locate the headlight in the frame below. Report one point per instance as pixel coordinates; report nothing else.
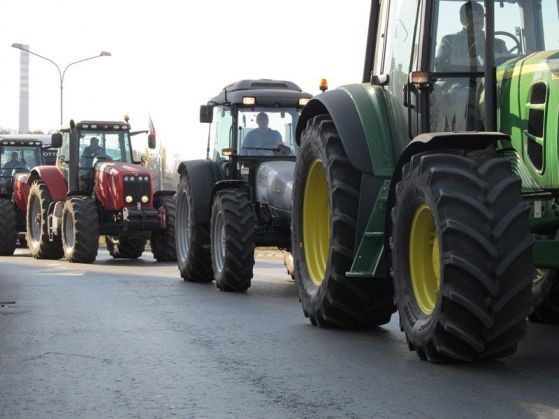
(129, 199)
(145, 199)
(126, 178)
(132, 178)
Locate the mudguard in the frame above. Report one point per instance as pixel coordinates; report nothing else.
(54, 179)
(438, 141)
(361, 117)
(203, 175)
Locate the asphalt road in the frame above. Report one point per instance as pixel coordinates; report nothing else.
(129, 338)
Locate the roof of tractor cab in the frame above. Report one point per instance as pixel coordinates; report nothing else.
(266, 93)
(29, 139)
(99, 125)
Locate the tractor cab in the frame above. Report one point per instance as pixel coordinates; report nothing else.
(17, 155)
(437, 57)
(88, 146)
(253, 121)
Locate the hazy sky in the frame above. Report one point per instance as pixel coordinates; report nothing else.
(169, 57)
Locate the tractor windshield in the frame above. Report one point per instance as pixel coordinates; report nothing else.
(104, 146)
(19, 157)
(16, 158)
(458, 55)
(261, 132)
(267, 132)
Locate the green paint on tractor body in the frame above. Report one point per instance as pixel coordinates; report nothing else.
(528, 110)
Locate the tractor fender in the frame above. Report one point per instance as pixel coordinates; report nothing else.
(163, 193)
(361, 116)
(437, 141)
(229, 184)
(203, 175)
(52, 177)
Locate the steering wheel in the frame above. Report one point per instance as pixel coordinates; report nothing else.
(516, 41)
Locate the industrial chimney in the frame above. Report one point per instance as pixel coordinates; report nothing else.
(24, 92)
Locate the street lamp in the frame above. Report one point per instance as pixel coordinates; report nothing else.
(61, 73)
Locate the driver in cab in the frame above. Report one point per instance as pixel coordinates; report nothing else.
(93, 149)
(465, 50)
(262, 141)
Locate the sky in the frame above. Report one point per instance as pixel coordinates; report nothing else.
(169, 57)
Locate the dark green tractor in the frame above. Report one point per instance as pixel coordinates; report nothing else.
(432, 187)
(239, 197)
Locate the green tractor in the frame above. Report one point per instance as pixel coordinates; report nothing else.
(432, 187)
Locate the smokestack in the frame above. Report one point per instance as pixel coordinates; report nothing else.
(24, 92)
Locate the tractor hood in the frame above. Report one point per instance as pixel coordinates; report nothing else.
(528, 97)
(119, 185)
(274, 183)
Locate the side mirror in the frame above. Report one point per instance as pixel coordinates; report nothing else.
(206, 114)
(56, 140)
(152, 143)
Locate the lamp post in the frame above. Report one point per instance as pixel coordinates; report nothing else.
(61, 73)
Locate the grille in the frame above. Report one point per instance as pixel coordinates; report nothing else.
(539, 93)
(136, 188)
(535, 152)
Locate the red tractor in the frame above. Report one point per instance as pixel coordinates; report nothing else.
(96, 189)
(18, 154)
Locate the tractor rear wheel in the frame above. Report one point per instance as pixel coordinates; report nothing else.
(192, 239)
(461, 256)
(232, 239)
(545, 293)
(80, 230)
(125, 247)
(8, 228)
(37, 226)
(325, 202)
(163, 241)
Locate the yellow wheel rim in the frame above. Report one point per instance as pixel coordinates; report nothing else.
(316, 222)
(425, 264)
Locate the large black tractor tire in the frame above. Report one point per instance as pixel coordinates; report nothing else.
(8, 228)
(461, 256)
(192, 238)
(37, 234)
(80, 230)
(545, 294)
(325, 203)
(233, 223)
(163, 241)
(123, 247)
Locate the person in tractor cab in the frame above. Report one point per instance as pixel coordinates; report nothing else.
(460, 100)
(15, 162)
(262, 141)
(465, 50)
(93, 149)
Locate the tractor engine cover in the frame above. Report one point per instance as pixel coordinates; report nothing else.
(274, 184)
(115, 181)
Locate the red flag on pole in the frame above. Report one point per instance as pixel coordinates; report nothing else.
(151, 127)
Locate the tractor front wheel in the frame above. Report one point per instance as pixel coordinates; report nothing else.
(326, 195)
(163, 241)
(37, 234)
(125, 247)
(461, 256)
(8, 228)
(232, 239)
(80, 230)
